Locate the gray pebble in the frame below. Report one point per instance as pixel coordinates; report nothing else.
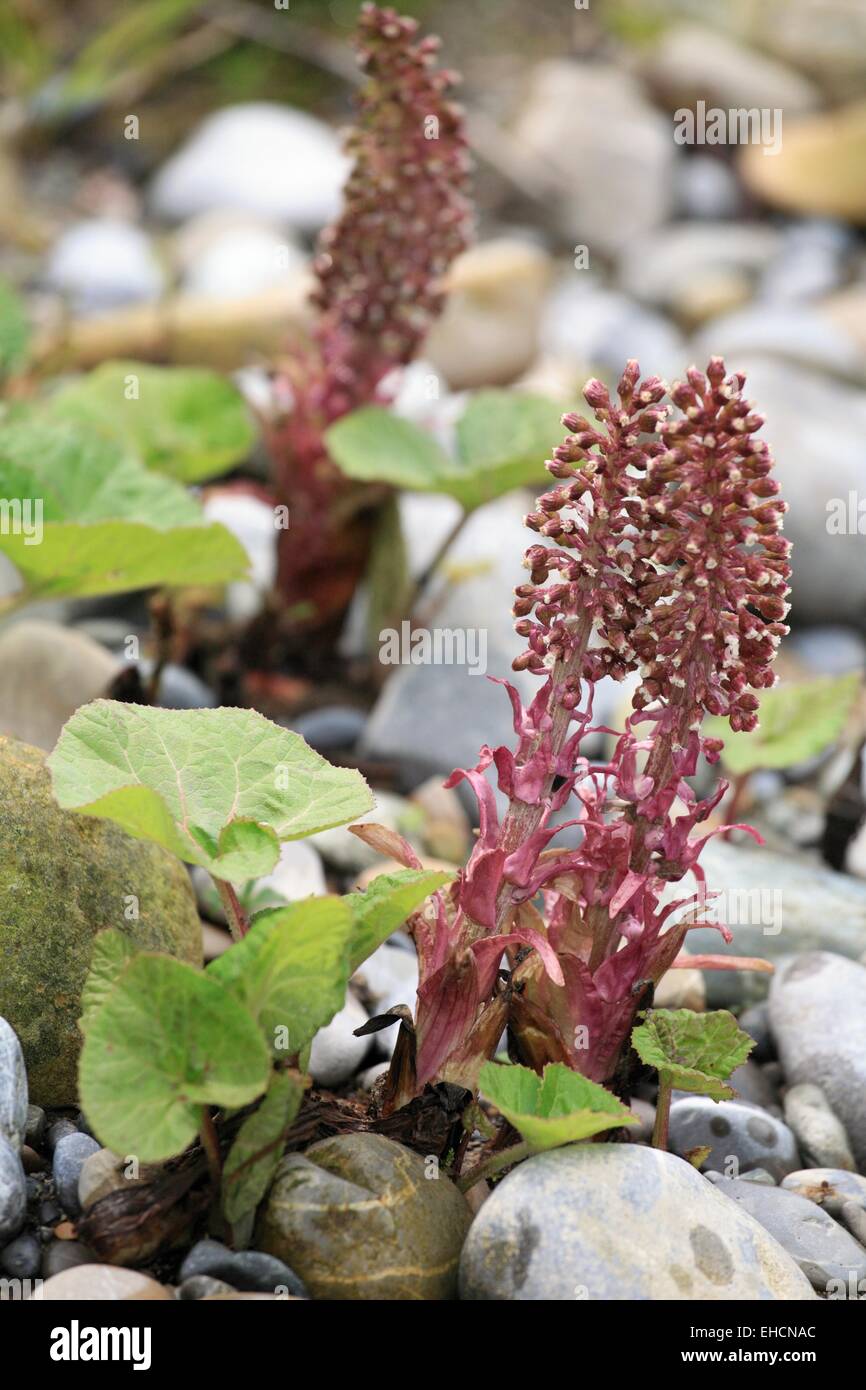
(820, 1133)
(740, 1136)
(249, 1271)
(826, 1253)
(13, 1087)
(64, 1254)
(756, 1022)
(334, 727)
(829, 1187)
(22, 1257)
(34, 1130)
(69, 1156)
(202, 1286)
(57, 1131)
(853, 1218)
(13, 1193)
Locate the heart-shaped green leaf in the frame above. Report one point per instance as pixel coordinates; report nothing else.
(185, 422)
(167, 1041)
(85, 519)
(385, 905)
(112, 952)
(291, 970)
(218, 787)
(798, 720)
(503, 440)
(559, 1107)
(694, 1052)
(254, 1156)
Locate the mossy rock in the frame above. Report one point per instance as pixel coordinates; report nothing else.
(63, 878)
(361, 1217)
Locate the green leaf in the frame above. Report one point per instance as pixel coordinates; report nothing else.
(695, 1052)
(167, 1041)
(797, 721)
(254, 1156)
(503, 439)
(291, 970)
(112, 952)
(14, 330)
(559, 1108)
(385, 905)
(92, 521)
(502, 442)
(218, 787)
(185, 422)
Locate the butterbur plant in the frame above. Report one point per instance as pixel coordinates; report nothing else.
(378, 271)
(164, 1043)
(659, 552)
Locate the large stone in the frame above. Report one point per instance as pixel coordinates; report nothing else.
(739, 1135)
(818, 1017)
(608, 155)
(619, 1221)
(819, 168)
(775, 905)
(823, 1250)
(690, 63)
(261, 158)
(63, 878)
(46, 673)
(489, 331)
(360, 1217)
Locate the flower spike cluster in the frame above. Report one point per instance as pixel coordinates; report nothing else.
(379, 286)
(406, 211)
(713, 609)
(661, 551)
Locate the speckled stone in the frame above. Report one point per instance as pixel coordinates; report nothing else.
(358, 1217)
(740, 1136)
(619, 1221)
(64, 877)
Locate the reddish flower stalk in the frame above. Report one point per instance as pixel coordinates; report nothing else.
(666, 553)
(379, 276)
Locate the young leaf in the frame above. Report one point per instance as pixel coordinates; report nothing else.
(182, 421)
(218, 787)
(112, 952)
(167, 1040)
(96, 522)
(798, 720)
(254, 1156)
(502, 442)
(693, 1052)
(385, 905)
(558, 1108)
(291, 970)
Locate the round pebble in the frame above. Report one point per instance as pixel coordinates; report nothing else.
(70, 1154)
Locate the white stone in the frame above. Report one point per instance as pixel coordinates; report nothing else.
(102, 263)
(258, 157)
(336, 1053)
